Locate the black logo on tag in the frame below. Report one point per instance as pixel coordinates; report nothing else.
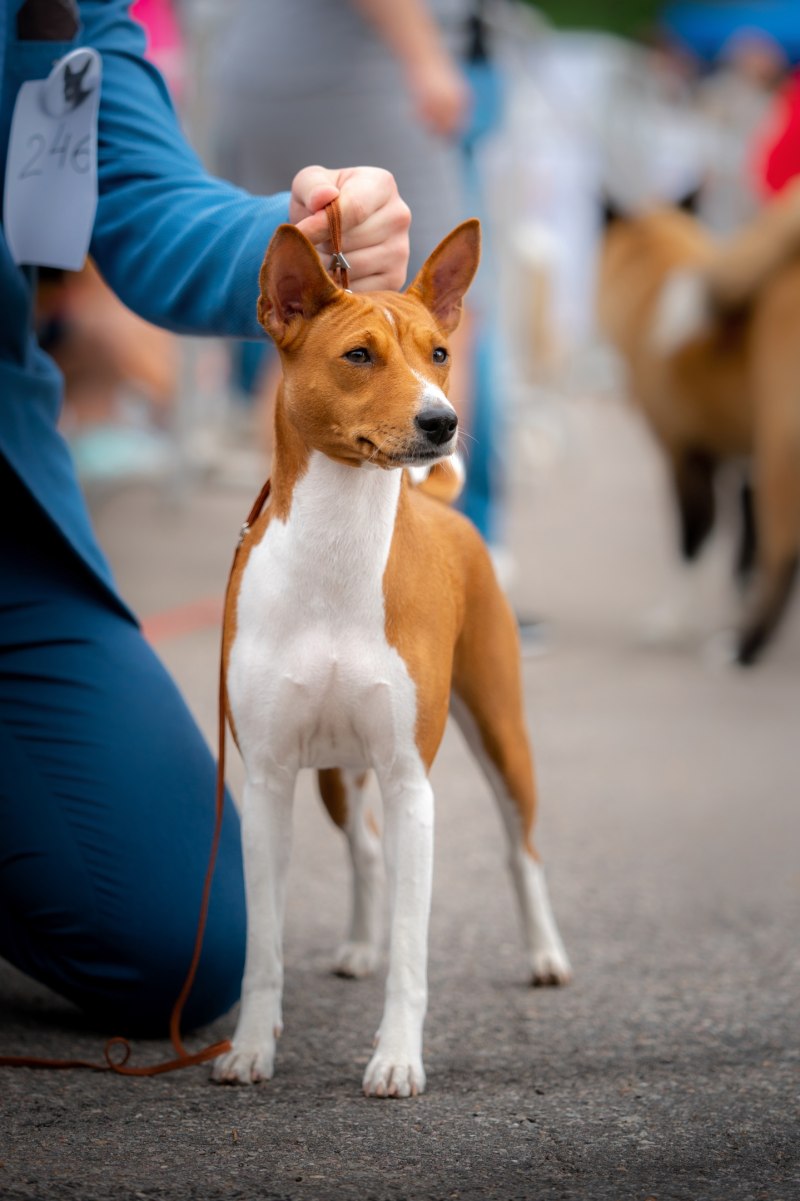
(74, 91)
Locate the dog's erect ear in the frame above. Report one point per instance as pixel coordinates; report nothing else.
(447, 273)
(610, 211)
(690, 201)
(293, 282)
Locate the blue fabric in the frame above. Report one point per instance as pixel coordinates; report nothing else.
(106, 799)
(708, 28)
(106, 787)
(179, 247)
(483, 497)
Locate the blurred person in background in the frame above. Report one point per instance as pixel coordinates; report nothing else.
(734, 101)
(409, 86)
(297, 81)
(484, 494)
(343, 81)
(750, 47)
(121, 376)
(776, 155)
(106, 783)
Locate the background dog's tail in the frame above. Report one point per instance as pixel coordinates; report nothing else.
(444, 480)
(747, 260)
(699, 297)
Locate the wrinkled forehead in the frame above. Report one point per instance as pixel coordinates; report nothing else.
(395, 311)
(405, 309)
(377, 319)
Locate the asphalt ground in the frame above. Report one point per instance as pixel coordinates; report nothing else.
(670, 824)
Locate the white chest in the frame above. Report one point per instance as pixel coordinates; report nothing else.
(312, 679)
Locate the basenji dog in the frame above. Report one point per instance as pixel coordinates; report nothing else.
(708, 332)
(360, 611)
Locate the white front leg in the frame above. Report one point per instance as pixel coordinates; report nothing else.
(266, 841)
(395, 1069)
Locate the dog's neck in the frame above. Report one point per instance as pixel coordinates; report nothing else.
(345, 515)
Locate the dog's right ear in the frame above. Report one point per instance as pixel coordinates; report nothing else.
(293, 283)
(610, 211)
(690, 201)
(447, 273)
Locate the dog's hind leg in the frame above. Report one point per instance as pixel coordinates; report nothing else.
(773, 594)
(692, 472)
(344, 795)
(487, 704)
(266, 841)
(778, 523)
(776, 466)
(747, 549)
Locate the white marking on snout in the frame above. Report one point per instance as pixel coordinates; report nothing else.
(431, 393)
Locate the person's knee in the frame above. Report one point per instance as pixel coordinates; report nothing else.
(135, 991)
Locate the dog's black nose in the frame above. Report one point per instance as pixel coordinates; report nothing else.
(438, 425)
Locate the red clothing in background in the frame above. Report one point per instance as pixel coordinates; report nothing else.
(777, 158)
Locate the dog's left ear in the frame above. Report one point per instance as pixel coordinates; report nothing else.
(447, 273)
(690, 201)
(293, 282)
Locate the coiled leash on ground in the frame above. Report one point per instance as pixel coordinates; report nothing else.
(117, 1050)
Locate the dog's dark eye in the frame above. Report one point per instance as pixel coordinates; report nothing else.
(440, 355)
(359, 355)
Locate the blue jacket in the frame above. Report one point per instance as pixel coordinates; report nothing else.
(179, 247)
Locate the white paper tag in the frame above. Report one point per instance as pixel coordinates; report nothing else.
(51, 169)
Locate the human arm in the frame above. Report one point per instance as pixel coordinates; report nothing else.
(182, 248)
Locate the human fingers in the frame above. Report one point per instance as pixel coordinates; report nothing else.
(370, 205)
(312, 189)
(376, 268)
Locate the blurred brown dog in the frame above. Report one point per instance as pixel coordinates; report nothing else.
(710, 334)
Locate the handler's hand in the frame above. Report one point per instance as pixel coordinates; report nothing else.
(375, 221)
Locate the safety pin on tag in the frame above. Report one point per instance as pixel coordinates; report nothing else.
(51, 167)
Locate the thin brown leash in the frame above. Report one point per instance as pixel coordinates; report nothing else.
(118, 1044)
(338, 264)
(183, 1058)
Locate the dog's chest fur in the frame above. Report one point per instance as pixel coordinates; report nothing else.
(313, 680)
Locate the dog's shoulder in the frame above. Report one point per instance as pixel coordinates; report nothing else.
(436, 531)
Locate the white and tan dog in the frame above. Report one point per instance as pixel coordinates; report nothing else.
(356, 605)
(708, 332)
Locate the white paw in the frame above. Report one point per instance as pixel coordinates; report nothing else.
(246, 1063)
(394, 1076)
(356, 959)
(550, 967)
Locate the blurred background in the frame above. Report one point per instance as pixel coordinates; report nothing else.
(532, 116)
(669, 781)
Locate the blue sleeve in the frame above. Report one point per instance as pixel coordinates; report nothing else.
(179, 247)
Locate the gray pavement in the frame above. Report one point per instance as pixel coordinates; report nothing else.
(670, 821)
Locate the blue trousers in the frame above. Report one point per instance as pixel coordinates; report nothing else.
(106, 798)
